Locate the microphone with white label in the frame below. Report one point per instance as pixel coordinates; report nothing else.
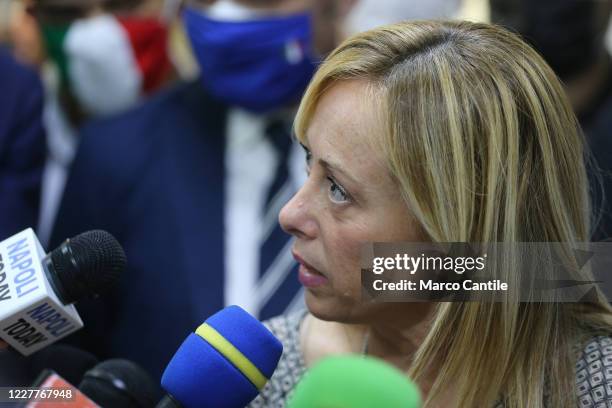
(37, 291)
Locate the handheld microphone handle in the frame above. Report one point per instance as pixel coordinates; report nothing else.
(168, 402)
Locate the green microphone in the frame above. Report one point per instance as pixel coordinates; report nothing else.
(354, 382)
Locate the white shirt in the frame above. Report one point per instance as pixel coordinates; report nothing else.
(251, 161)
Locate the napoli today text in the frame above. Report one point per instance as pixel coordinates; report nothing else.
(468, 285)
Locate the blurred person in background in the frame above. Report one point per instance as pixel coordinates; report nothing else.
(571, 36)
(6, 15)
(22, 145)
(105, 57)
(368, 14)
(19, 32)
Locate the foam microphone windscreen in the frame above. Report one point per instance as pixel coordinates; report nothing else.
(354, 382)
(225, 363)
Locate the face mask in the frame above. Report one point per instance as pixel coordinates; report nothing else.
(149, 42)
(54, 37)
(259, 63)
(108, 63)
(104, 74)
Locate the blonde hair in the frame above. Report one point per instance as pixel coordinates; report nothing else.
(484, 146)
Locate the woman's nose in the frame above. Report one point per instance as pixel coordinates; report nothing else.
(297, 218)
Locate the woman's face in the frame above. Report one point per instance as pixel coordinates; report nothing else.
(348, 199)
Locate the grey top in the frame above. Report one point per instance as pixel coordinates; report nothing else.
(593, 369)
(291, 365)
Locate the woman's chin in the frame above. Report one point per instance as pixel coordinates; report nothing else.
(330, 308)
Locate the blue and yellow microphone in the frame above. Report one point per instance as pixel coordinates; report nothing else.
(224, 364)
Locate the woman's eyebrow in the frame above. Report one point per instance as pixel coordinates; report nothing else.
(336, 169)
(331, 167)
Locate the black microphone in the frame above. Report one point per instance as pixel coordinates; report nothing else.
(85, 266)
(120, 383)
(37, 291)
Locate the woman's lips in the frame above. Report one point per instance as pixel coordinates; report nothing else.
(307, 275)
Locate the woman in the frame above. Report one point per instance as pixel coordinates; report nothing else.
(441, 132)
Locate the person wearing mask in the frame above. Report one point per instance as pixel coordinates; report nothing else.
(191, 182)
(22, 146)
(104, 59)
(433, 132)
(106, 56)
(570, 35)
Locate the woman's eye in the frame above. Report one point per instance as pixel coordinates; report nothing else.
(337, 193)
(308, 160)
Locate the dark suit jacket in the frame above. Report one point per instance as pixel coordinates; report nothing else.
(22, 146)
(597, 124)
(153, 177)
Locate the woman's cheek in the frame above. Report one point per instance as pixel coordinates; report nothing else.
(346, 267)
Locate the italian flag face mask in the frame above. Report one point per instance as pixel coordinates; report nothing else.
(107, 62)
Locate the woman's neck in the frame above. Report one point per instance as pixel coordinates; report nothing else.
(394, 340)
(396, 345)
(393, 337)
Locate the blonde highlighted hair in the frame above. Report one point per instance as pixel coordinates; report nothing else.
(482, 142)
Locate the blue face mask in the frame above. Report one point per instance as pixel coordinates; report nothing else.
(260, 65)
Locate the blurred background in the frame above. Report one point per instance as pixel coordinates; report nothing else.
(150, 119)
(22, 34)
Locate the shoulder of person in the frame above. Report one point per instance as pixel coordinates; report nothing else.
(139, 122)
(594, 372)
(16, 75)
(172, 115)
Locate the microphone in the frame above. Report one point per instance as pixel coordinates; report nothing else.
(37, 291)
(224, 364)
(119, 383)
(354, 382)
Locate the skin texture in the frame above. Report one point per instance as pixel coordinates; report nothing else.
(330, 227)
